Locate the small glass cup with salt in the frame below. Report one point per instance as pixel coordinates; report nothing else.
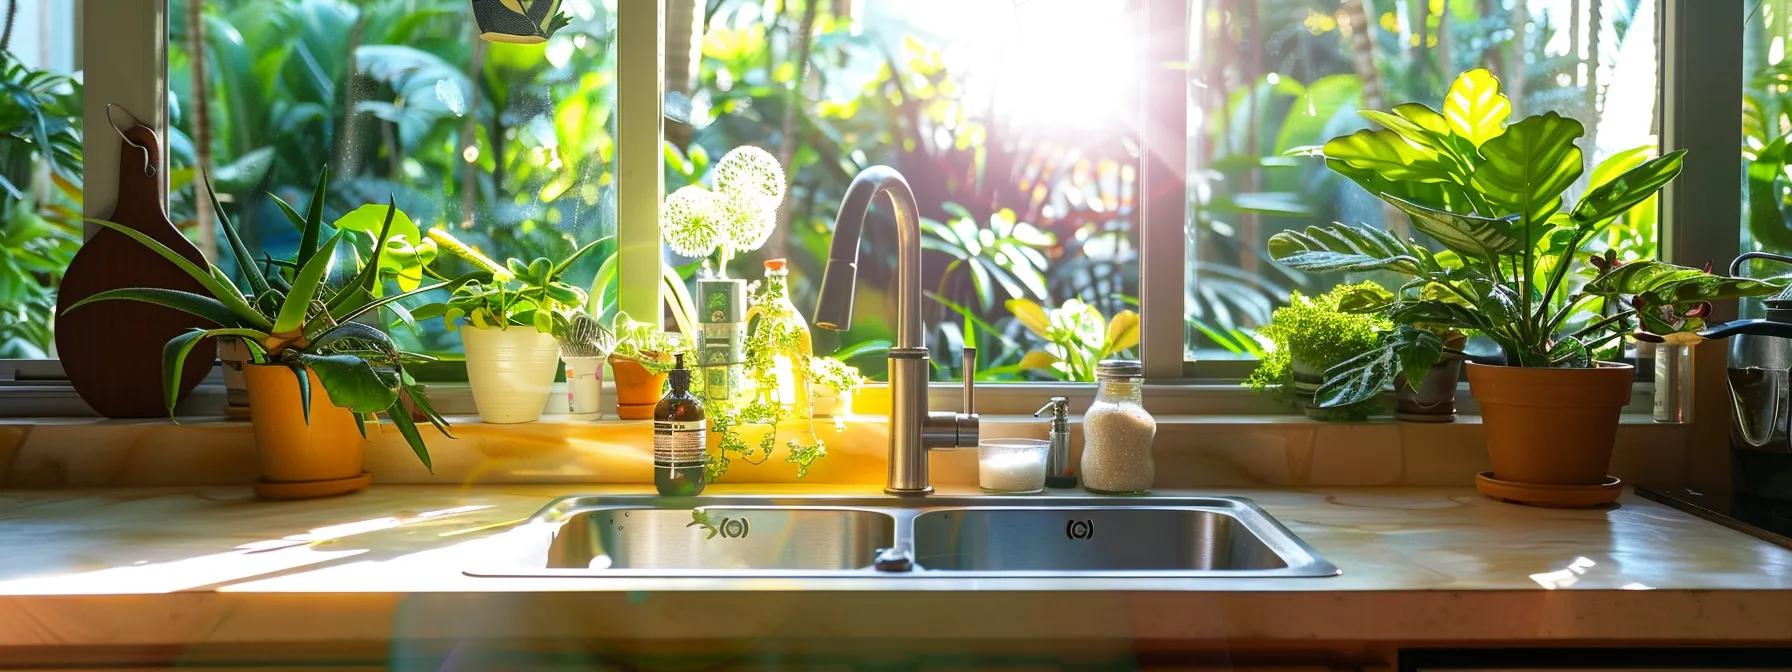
(1012, 466)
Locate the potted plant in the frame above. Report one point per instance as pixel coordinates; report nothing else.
(299, 329)
(834, 384)
(1491, 194)
(640, 361)
(509, 331)
(1309, 336)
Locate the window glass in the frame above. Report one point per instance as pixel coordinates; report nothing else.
(1268, 76)
(40, 169)
(1766, 123)
(508, 146)
(1015, 124)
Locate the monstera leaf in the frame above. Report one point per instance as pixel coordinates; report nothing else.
(1347, 249)
(1527, 168)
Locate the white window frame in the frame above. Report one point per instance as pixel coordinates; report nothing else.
(1700, 103)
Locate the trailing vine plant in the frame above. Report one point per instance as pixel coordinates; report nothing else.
(775, 335)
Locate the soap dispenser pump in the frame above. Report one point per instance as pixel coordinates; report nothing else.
(1060, 472)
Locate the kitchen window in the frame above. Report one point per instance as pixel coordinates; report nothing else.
(1144, 168)
(1271, 78)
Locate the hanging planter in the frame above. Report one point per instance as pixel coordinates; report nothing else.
(518, 21)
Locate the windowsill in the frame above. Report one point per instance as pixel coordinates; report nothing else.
(1191, 451)
(1222, 399)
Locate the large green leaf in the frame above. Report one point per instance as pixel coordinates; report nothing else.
(305, 287)
(1405, 349)
(186, 302)
(1341, 248)
(174, 358)
(1664, 283)
(1386, 154)
(258, 282)
(314, 221)
(1475, 108)
(1606, 201)
(401, 418)
(221, 289)
(1472, 235)
(1526, 169)
(351, 382)
(1766, 174)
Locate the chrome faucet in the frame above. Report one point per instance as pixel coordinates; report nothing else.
(913, 430)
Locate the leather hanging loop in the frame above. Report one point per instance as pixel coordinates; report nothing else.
(137, 128)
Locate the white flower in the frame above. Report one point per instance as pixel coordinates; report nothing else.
(746, 222)
(752, 171)
(691, 222)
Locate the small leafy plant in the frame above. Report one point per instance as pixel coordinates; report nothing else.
(516, 294)
(294, 318)
(645, 344)
(1077, 337)
(1309, 336)
(1492, 194)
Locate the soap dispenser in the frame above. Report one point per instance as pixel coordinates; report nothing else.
(680, 437)
(1060, 472)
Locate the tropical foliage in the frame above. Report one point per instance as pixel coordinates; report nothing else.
(40, 201)
(1492, 194)
(293, 316)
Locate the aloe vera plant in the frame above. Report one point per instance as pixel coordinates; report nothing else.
(292, 316)
(1492, 194)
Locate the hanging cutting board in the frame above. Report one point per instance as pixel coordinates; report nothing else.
(112, 350)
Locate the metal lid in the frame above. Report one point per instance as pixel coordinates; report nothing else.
(1119, 368)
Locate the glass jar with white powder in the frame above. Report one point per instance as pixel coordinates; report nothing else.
(1117, 432)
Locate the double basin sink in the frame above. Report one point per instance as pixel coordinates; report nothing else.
(596, 536)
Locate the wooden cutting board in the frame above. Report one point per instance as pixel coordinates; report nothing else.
(112, 350)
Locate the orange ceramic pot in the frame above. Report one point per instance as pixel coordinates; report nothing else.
(637, 390)
(327, 448)
(1551, 426)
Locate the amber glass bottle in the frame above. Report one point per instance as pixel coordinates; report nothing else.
(680, 437)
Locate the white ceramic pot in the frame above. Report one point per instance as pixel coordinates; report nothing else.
(510, 371)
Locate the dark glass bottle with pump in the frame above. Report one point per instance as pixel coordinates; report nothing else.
(680, 438)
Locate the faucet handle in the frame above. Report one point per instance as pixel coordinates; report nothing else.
(970, 379)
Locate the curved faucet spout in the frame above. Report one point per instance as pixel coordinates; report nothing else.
(913, 429)
(833, 309)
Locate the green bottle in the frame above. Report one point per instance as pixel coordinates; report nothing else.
(680, 437)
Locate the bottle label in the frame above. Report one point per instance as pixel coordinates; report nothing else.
(680, 444)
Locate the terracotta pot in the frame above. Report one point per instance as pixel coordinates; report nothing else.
(1551, 426)
(510, 371)
(328, 447)
(637, 390)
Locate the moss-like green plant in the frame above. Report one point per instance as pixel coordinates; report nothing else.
(1312, 334)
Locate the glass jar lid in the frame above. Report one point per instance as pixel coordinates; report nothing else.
(1119, 368)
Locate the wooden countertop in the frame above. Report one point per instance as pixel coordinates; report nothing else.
(212, 566)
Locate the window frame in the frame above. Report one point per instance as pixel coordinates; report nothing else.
(1699, 98)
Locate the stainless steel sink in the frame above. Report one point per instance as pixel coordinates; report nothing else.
(982, 537)
(749, 538)
(1091, 539)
